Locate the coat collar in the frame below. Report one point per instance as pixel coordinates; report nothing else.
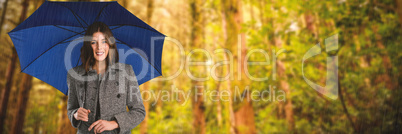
(113, 67)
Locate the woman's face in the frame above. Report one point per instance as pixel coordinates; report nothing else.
(100, 46)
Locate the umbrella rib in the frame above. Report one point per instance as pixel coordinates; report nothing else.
(116, 27)
(139, 54)
(153, 30)
(65, 41)
(75, 15)
(119, 42)
(66, 29)
(97, 17)
(49, 49)
(37, 26)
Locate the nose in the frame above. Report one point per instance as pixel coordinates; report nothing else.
(99, 45)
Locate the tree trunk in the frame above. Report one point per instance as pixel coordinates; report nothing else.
(198, 109)
(399, 10)
(218, 105)
(283, 84)
(22, 102)
(25, 87)
(5, 93)
(64, 123)
(197, 31)
(244, 116)
(218, 91)
(150, 11)
(3, 15)
(232, 120)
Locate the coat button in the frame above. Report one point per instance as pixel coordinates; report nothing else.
(118, 95)
(116, 83)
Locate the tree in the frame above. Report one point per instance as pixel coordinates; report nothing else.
(197, 22)
(11, 67)
(64, 123)
(23, 97)
(244, 121)
(5, 93)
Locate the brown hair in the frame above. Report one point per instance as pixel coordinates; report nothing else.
(87, 56)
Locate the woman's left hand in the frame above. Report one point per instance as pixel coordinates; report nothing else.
(102, 125)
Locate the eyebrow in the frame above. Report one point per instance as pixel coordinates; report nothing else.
(95, 40)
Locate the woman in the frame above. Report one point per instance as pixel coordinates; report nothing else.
(101, 88)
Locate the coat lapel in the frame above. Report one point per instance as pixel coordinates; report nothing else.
(112, 82)
(116, 76)
(110, 77)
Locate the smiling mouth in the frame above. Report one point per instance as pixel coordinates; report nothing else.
(100, 53)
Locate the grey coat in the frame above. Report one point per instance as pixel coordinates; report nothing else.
(118, 88)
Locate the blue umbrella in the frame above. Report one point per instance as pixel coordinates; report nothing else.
(44, 39)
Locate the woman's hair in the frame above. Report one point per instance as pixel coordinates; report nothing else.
(87, 55)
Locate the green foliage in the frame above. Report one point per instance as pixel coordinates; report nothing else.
(369, 35)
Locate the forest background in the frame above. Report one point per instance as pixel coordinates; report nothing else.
(265, 42)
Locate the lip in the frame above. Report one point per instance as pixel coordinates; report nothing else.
(100, 53)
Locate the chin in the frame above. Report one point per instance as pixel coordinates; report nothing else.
(100, 59)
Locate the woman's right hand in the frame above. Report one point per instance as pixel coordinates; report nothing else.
(82, 114)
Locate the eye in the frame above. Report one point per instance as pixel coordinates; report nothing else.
(93, 42)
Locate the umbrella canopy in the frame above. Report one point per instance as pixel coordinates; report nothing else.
(44, 39)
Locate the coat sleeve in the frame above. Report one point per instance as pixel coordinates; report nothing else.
(72, 101)
(130, 119)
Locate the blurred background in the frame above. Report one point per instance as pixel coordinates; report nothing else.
(369, 93)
